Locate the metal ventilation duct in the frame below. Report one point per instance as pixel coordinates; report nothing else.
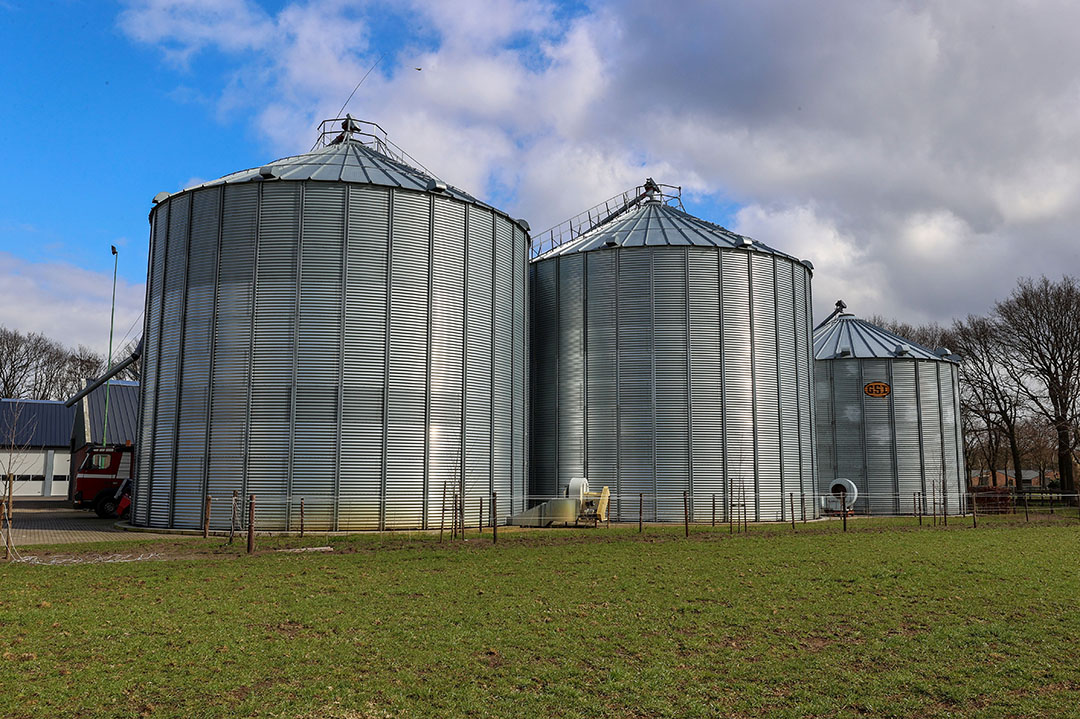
(339, 327)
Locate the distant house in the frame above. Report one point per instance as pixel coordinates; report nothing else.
(1031, 478)
(35, 438)
(89, 426)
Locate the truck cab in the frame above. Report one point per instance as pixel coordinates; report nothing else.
(102, 479)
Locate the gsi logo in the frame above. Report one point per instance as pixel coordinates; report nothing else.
(877, 389)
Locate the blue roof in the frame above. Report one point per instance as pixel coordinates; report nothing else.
(33, 424)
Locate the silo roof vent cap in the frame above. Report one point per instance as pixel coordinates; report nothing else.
(267, 172)
(843, 352)
(160, 197)
(434, 185)
(746, 241)
(902, 349)
(808, 264)
(524, 224)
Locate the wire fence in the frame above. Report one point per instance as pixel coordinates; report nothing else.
(473, 510)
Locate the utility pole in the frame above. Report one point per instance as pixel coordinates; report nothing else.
(112, 319)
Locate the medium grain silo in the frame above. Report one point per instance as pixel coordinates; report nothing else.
(888, 418)
(669, 355)
(338, 327)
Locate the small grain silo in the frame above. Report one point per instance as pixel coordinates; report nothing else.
(338, 327)
(888, 418)
(669, 355)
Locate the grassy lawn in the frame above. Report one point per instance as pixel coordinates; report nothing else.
(886, 620)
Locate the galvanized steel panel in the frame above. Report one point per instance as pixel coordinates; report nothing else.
(233, 313)
(363, 415)
(706, 387)
(447, 357)
(168, 374)
(738, 378)
(879, 451)
(196, 353)
(503, 367)
(478, 354)
(570, 320)
(637, 422)
(406, 424)
(671, 392)
(545, 373)
(601, 378)
(788, 388)
(766, 389)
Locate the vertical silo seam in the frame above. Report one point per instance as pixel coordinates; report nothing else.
(865, 489)
(585, 366)
(798, 395)
(462, 455)
(652, 364)
(180, 364)
(386, 353)
(919, 424)
(833, 406)
(689, 384)
(726, 480)
(618, 390)
(810, 389)
(897, 503)
(492, 360)
(251, 346)
(425, 491)
(138, 472)
(345, 242)
(779, 394)
(157, 368)
(753, 383)
(941, 439)
(213, 349)
(295, 354)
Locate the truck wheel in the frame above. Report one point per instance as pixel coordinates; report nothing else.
(105, 506)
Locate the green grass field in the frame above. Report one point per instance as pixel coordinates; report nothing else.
(887, 620)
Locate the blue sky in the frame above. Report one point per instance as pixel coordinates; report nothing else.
(923, 157)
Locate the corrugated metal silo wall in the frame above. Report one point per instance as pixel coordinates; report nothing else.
(896, 446)
(659, 370)
(332, 342)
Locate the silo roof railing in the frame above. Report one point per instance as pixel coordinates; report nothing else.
(338, 129)
(844, 335)
(608, 210)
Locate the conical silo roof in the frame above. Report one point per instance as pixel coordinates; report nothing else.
(347, 161)
(654, 224)
(846, 336)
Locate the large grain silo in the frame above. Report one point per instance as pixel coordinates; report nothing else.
(669, 355)
(339, 327)
(888, 418)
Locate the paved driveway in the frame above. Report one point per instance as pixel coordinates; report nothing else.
(53, 521)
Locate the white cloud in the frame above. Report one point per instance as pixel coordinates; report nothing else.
(66, 303)
(922, 155)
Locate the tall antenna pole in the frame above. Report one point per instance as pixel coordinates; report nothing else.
(112, 319)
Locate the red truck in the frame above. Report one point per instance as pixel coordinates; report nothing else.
(103, 481)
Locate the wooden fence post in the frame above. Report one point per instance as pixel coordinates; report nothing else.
(206, 519)
(251, 524)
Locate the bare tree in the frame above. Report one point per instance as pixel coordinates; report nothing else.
(132, 371)
(989, 387)
(82, 365)
(15, 438)
(1041, 329)
(16, 362)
